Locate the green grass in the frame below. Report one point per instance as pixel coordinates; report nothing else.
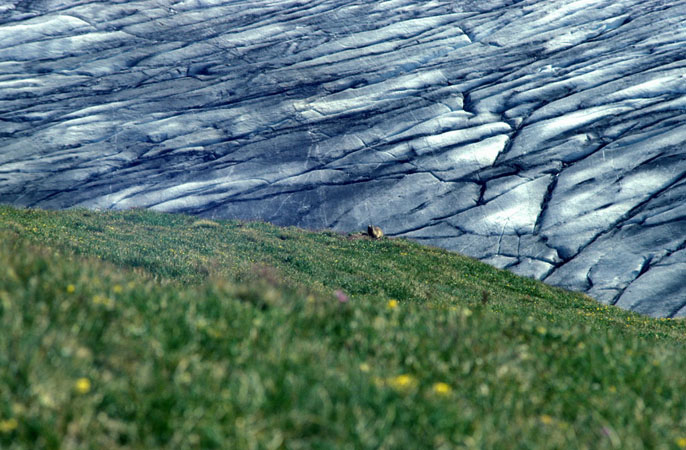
(143, 330)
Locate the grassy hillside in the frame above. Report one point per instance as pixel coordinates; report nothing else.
(144, 330)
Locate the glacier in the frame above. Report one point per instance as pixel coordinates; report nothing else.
(544, 137)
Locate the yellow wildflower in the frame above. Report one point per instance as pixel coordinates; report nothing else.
(392, 304)
(681, 442)
(117, 289)
(546, 419)
(102, 300)
(82, 385)
(71, 289)
(442, 388)
(541, 330)
(8, 425)
(402, 382)
(364, 367)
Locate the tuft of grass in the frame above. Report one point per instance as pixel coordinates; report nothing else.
(205, 223)
(142, 330)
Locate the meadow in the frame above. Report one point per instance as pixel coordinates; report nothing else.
(143, 330)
